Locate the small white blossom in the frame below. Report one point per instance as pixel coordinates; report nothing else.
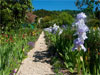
(54, 29)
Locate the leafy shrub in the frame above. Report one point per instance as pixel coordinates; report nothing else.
(64, 18)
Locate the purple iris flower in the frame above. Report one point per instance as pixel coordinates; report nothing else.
(14, 71)
(81, 15)
(31, 44)
(63, 26)
(78, 41)
(81, 32)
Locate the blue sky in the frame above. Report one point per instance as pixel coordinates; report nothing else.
(54, 4)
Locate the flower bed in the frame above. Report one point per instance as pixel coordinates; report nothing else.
(80, 57)
(78, 62)
(14, 47)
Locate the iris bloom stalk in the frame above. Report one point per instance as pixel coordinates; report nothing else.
(81, 32)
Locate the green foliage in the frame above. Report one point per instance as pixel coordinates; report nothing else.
(64, 18)
(59, 19)
(93, 23)
(78, 61)
(43, 13)
(45, 22)
(93, 45)
(14, 47)
(13, 13)
(91, 4)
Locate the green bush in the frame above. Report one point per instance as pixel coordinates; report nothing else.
(64, 18)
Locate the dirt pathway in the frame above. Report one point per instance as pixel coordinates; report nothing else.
(37, 62)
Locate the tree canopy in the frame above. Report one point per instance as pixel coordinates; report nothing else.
(13, 12)
(92, 4)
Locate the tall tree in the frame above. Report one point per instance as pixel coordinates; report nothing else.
(13, 12)
(90, 6)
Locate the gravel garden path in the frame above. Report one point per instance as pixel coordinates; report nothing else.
(38, 60)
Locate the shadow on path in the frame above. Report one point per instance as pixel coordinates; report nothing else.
(42, 56)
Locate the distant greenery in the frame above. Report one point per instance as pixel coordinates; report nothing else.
(43, 12)
(51, 17)
(65, 17)
(13, 13)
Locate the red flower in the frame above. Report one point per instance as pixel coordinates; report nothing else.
(6, 40)
(23, 36)
(98, 53)
(6, 35)
(10, 38)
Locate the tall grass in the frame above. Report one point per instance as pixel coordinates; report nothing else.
(14, 47)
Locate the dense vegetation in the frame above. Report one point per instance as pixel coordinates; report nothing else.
(48, 18)
(13, 13)
(58, 17)
(14, 47)
(15, 40)
(66, 61)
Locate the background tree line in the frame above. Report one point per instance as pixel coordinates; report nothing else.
(64, 17)
(90, 7)
(49, 18)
